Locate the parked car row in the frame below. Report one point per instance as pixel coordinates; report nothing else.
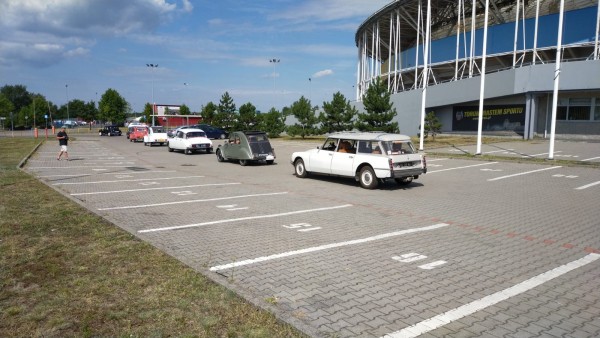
(368, 157)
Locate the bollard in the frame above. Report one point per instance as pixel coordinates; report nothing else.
(35, 132)
(53, 131)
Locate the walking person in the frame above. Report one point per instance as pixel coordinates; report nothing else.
(63, 139)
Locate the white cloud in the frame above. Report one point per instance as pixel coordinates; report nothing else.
(331, 10)
(322, 73)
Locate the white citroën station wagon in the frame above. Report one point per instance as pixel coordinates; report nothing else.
(369, 157)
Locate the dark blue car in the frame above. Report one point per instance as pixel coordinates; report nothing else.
(212, 132)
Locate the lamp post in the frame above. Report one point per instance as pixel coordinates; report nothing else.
(274, 62)
(67, 90)
(153, 66)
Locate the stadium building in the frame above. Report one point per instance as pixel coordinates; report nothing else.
(519, 64)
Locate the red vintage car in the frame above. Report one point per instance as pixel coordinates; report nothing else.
(138, 133)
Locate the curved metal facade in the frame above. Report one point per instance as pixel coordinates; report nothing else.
(391, 41)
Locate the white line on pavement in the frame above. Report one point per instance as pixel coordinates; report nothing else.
(497, 151)
(588, 185)
(560, 151)
(327, 246)
(480, 304)
(84, 166)
(591, 158)
(243, 219)
(161, 188)
(468, 166)
(523, 173)
(190, 201)
(136, 180)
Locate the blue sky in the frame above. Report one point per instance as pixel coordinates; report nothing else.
(77, 49)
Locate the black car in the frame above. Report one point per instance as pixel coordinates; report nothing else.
(212, 132)
(111, 130)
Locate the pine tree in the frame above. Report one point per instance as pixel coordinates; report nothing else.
(379, 110)
(337, 115)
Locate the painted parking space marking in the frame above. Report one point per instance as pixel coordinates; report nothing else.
(136, 180)
(183, 193)
(523, 173)
(487, 301)
(149, 183)
(588, 185)
(244, 218)
(80, 167)
(415, 257)
(190, 201)
(327, 247)
(147, 189)
(129, 174)
(591, 159)
(464, 167)
(302, 227)
(231, 207)
(540, 154)
(432, 265)
(565, 176)
(409, 257)
(503, 151)
(488, 169)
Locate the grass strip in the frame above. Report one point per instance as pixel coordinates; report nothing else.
(65, 271)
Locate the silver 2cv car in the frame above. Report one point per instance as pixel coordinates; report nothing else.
(246, 147)
(368, 157)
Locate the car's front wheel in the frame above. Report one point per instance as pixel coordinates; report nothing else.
(367, 178)
(300, 169)
(169, 148)
(243, 163)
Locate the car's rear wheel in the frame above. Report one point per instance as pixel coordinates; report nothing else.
(367, 178)
(222, 136)
(300, 169)
(220, 157)
(243, 163)
(404, 180)
(100, 134)
(169, 148)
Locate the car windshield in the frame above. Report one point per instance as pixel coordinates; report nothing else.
(196, 134)
(158, 130)
(397, 147)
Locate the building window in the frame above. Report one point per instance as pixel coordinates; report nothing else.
(575, 109)
(597, 109)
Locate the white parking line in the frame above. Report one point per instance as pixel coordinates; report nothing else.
(523, 173)
(587, 185)
(137, 180)
(79, 167)
(495, 298)
(468, 166)
(243, 219)
(326, 247)
(146, 189)
(498, 151)
(190, 201)
(591, 158)
(560, 151)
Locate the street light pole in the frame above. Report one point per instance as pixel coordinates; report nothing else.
(274, 62)
(67, 89)
(153, 66)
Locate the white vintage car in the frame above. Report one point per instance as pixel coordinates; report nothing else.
(190, 141)
(367, 157)
(156, 135)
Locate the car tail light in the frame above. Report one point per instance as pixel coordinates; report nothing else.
(424, 162)
(391, 164)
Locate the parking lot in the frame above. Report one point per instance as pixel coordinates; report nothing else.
(472, 248)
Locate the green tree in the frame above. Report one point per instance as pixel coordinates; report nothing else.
(273, 123)
(433, 126)
(306, 116)
(379, 111)
(208, 113)
(147, 113)
(113, 107)
(6, 107)
(248, 119)
(337, 115)
(18, 95)
(226, 116)
(184, 110)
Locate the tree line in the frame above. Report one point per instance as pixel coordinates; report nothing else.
(308, 119)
